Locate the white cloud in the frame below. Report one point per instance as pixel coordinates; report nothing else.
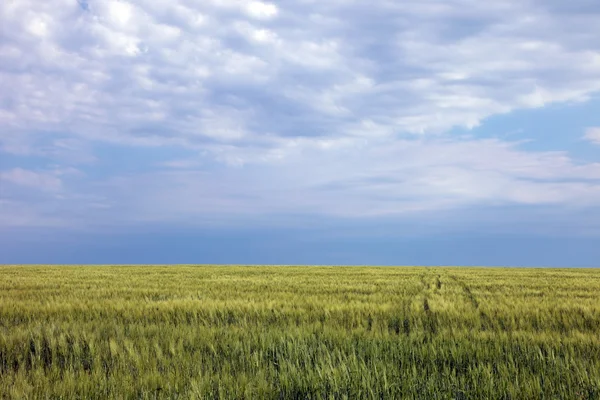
(449, 64)
(344, 177)
(397, 180)
(351, 178)
(37, 180)
(120, 12)
(593, 135)
(309, 100)
(38, 27)
(261, 10)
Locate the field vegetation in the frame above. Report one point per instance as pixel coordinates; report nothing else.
(191, 332)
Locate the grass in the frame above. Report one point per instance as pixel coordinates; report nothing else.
(191, 332)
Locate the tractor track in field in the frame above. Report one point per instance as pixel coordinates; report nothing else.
(430, 280)
(467, 292)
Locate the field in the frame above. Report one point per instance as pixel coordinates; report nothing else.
(299, 332)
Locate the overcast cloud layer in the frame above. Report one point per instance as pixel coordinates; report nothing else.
(117, 112)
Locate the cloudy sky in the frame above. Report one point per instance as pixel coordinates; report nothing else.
(329, 132)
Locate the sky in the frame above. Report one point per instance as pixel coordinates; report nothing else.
(430, 132)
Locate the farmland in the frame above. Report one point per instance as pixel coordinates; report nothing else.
(98, 332)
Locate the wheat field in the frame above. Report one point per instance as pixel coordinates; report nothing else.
(258, 332)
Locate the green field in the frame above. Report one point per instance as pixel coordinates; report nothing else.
(299, 332)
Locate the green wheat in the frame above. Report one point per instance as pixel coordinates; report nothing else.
(190, 332)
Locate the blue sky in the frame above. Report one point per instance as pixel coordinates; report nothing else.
(338, 132)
